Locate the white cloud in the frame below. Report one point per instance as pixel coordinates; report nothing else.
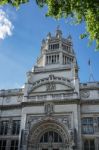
(6, 26)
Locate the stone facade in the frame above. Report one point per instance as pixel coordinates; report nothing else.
(54, 111)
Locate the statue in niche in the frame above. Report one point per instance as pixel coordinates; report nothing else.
(49, 108)
(66, 121)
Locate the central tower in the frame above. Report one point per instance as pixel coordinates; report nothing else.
(56, 51)
(52, 93)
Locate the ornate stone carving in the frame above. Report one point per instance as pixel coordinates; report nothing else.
(51, 82)
(85, 94)
(31, 120)
(50, 86)
(67, 121)
(49, 108)
(39, 129)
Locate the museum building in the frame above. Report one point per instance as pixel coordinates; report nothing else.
(54, 111)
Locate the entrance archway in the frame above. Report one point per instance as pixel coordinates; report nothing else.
(49, 134)
(50, 140)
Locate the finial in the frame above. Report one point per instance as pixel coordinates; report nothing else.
(91, 77)
(58, 32)
(58, 27)
(49, 36)
(69, 37)
(43, 41)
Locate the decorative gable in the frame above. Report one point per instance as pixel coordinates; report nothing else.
(51, 83)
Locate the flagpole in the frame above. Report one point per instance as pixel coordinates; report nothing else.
(90, 71)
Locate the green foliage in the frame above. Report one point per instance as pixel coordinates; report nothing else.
(79, 10)
(15, 3)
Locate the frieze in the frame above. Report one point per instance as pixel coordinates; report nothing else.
(92, 101)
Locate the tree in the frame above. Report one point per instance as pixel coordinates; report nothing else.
(79, 10)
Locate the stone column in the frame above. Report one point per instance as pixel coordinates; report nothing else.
(97, 143)
(8, 144)
(79, 139)
(60, 58)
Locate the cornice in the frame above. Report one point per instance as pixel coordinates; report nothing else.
(67, 91)
(89, 88)
(44, 70)
(11, 92)
(37, 103)
(7, 107)
(89, 102)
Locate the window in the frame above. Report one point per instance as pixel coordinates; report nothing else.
(14, 145)
(87, 125)
(98, 122)
(2, 144)
(66, 47)
(52, 59)
(4, 127)
(89, 144)
(53, 46)
(16, 127)
(51, 137)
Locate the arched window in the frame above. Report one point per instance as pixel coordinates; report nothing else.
(51, 136)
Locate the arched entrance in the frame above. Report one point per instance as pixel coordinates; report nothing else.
(50, 140)
(49, 134)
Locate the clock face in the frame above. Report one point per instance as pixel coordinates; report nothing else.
(8, 99)
(85, 94)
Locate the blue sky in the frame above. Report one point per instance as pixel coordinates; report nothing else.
(20, 48)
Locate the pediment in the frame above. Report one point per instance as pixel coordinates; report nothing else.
(50, 87)
(52, 83)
